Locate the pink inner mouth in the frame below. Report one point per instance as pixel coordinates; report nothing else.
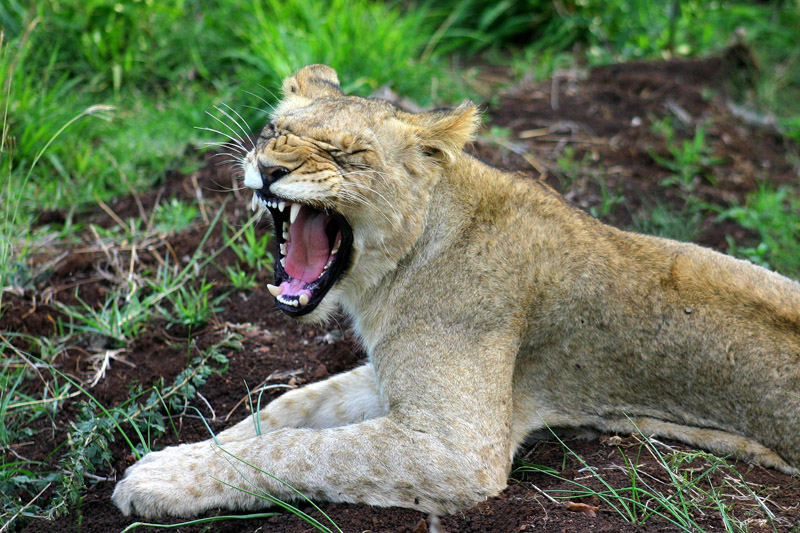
(308, 251)
(308, 248)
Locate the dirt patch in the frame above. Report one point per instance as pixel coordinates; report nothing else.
(584, 133)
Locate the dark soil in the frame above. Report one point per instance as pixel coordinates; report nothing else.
(602, 117)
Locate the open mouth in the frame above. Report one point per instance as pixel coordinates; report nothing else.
(314, 248)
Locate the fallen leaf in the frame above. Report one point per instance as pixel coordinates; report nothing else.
(584, 508)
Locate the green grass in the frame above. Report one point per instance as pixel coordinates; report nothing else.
(674, 485)
(775, 215)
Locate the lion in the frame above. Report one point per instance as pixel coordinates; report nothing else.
(489, 309)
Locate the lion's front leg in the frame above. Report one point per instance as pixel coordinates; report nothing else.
(379, 462)
(342, 399)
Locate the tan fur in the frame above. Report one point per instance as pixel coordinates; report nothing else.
(490, 308)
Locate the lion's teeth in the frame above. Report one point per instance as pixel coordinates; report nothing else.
(273, 290)
(303, 299)
(335, 248)
(283, 248)
(284, 301)
(283, 262)
(254, 202)
(294, 212)
(281, 206)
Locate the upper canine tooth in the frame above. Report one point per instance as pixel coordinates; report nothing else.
(254, 202)
(294, 212)
(281, 206)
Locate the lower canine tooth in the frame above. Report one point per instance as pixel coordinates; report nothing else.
(273, 290)
(303, 299)
(254, 202)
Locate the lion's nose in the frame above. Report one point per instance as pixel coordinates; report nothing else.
(271, 174)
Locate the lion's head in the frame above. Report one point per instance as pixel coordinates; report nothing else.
(346, 180)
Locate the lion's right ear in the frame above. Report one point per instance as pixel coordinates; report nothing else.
(443, 134)
(312, 81)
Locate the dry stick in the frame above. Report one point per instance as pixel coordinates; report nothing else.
(213, 413)
(28, 361)
(146, 242)
(543, 493)
(259, 389)
(172, 252)
(153, 213)
(22, 509)
(134, 257)
(568, 140)
(110, 213)
(47, 400)
(153, 250)
(103, 246)
(200, 199)
(539, 167)
(105, 364)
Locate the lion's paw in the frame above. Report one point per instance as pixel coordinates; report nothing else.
(176, 481)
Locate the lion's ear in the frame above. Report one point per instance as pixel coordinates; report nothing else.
(313, 81)
(443, 134)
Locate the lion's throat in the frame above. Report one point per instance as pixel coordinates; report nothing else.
(307, 249)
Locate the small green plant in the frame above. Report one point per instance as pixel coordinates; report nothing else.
(755, 254)
(252, 250)
(609, 202)
(193, 307)
(240, 279)
(664, 220)
(119, 320)
(173, 216)
(775, 215)
(689, 160)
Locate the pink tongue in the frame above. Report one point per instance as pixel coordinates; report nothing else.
(307, 249)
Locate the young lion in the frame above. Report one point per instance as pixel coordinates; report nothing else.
(489, 309)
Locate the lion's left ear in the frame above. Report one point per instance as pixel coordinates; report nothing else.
(443, 134)
(312, 81)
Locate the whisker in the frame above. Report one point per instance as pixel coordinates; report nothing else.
(233, 131)
(235, 155)
(231, 138)
(264, 100)
(247, 131)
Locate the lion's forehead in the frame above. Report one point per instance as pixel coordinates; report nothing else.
(335, 118)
